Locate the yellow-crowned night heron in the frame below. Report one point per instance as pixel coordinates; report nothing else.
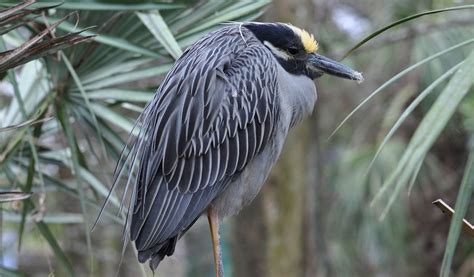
(215, 128)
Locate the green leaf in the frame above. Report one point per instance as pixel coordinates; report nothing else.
(113, 68)
(124, 45)
(66, 189)
(131, 107)
(191, 17)
(115, 118)
(112, 139)
(232, 12)
(158, 27)
(79, 85)
(23, 133)
(117, 42)
(64, 119)
(397, 77)
(34, 160)
(127, 95)
(129, 77)
(411, 107)
(429, 129)
(26, 206)
(403, 20)
(98, 186)
(49, 218)
(58, 252)
(462, 203)
(97, 6)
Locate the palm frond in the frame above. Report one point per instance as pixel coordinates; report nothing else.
(86, 96)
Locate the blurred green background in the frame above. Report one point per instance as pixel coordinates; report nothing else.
(65, 115)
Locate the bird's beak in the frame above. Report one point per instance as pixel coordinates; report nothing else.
(320, 65)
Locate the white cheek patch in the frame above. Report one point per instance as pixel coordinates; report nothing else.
(278, 52)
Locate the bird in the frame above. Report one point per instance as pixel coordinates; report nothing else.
(215, 127)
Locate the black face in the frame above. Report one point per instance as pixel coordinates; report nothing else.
(284, 39)
(287, 47)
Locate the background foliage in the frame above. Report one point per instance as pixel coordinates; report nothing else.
(358, 203)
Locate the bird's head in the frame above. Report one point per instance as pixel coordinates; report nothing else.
(295, 49)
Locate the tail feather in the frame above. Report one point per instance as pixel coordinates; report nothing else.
(157, 253)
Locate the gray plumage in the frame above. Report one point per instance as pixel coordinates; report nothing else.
(296, 96)
(211, 134)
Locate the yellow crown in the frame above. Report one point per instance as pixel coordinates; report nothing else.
(309, 43)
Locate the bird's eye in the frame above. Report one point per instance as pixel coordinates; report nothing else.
(293, 50)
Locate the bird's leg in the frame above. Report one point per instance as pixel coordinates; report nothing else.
(216, 244)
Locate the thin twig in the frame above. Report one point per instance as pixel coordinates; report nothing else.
(467, 227)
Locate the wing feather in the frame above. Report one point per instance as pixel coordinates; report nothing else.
(210, 117)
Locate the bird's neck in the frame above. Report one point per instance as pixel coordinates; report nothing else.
(297, 95)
